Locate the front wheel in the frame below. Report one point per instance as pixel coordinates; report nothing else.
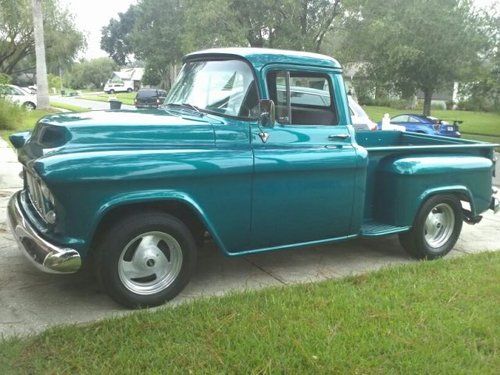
(129, 90)
(146, 259)
(436, 228)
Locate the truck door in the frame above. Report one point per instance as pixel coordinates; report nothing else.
(305, 166)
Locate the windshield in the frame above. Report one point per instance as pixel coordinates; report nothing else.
(222, 86)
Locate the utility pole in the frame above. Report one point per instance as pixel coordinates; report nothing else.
(42, 86)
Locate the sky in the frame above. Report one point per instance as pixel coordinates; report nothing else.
(92, 15)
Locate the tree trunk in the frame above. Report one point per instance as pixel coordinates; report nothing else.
(427, 101)
(42, 86)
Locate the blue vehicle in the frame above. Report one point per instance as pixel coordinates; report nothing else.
(426, 125)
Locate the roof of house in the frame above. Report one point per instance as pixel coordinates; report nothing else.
(260, 57)
(133, 74)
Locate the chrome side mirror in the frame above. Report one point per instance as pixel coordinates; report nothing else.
(267, 110)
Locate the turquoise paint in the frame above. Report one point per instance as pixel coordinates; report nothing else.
(300, 188)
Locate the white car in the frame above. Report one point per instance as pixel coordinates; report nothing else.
(125, 86)
(360, 119)
(17, 95)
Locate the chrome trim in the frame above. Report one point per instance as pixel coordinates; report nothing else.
(495, 205)
(35, 194)
(43, 254)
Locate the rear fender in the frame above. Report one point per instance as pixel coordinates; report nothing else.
(403, 184)
(462, 192)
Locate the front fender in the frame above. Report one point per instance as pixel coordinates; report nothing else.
(157, 196)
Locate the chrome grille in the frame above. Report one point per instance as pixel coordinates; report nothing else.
(35, 194)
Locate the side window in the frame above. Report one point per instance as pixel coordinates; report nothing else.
(302, 98)
(17, 91)
(401, 118)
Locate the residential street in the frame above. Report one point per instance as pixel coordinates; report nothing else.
(90, 104)
(31, 301)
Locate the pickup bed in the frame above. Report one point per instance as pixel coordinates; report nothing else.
(245, 152)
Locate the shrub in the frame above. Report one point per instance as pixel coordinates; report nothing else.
(4, 79)
(10, 114)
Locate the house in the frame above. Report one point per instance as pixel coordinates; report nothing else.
(126, 80)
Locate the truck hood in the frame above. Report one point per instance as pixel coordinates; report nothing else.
(114, 130)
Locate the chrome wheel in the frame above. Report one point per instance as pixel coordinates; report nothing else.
(439, 225)
(150, 263)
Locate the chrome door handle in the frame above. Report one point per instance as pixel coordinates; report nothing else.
(334, 137)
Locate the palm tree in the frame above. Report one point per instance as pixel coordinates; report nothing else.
(42, 85)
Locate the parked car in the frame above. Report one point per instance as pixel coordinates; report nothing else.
(426, 125)
(133, 194)
(112, 87)
(19, 96)
(149, 98)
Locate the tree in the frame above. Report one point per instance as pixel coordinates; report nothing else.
(419, 44)
(160, 32)
(91, 74)
(157, 39)
(42, 86)
(17, 46)
(295, 24)
(115, 39)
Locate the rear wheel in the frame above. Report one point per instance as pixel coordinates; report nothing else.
(436, 228)
(146, 260)
(129, 90)
(111, 91)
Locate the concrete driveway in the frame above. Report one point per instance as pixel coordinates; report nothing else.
(90, 104)
(31, 301)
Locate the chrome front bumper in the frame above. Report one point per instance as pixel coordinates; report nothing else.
(44, 255)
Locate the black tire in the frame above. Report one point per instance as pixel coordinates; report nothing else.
(129, 90)
(29, 106)
(113, 243)
(414, 241)
(111, 92)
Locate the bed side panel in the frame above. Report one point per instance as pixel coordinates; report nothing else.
(404, 183)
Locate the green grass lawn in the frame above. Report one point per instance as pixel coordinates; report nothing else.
(69, 107)
(482, 123)
(125, 97)
(427, 317)
(26, 122)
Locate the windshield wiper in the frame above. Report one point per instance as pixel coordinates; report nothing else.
(186, 105)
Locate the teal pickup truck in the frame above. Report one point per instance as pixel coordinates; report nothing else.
(245, 152)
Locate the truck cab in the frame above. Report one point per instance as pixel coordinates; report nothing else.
(253, 148)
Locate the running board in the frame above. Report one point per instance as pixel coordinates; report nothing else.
(377, 229)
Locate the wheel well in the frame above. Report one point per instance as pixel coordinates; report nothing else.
(462, 197)
(180, 210)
